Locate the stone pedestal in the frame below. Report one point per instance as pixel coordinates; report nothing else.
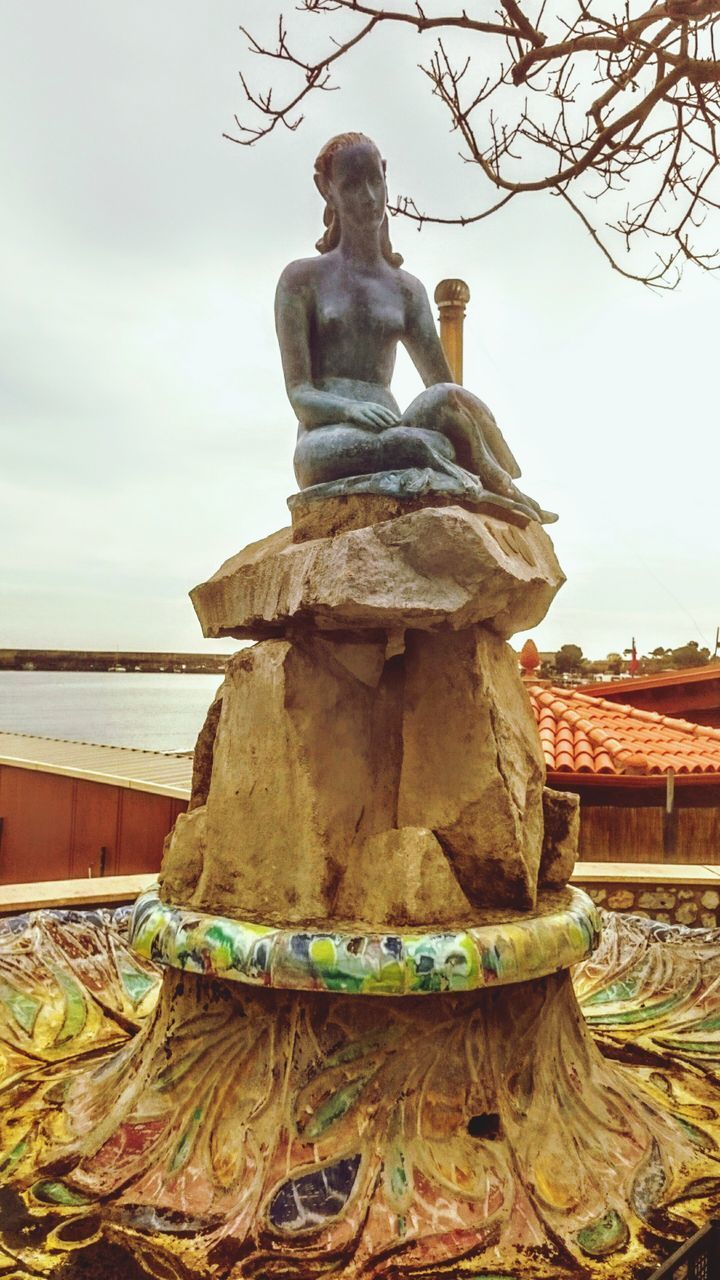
(375, 759)
(329, 755)
(434, 568)
(367, 821)
(367, 1059)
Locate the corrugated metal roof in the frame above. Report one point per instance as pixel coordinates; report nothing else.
(157, 771)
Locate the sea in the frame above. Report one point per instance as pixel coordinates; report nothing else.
(160, 712)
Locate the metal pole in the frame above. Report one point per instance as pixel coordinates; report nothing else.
(670, 819)
(452, 296)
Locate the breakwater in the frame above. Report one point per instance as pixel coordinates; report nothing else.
(99, 660)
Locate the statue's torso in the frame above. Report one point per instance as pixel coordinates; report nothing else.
(356, 320)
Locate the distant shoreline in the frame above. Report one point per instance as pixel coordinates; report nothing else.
(125, 663)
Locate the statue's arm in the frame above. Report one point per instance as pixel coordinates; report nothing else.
(313, 407)
(421, 339)
(293, 300)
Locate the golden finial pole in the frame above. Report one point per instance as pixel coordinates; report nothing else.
(452, 296)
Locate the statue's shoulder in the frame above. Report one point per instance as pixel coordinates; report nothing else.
(299, 275)
(413, 289)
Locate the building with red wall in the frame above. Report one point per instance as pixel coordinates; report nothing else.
(74, 809)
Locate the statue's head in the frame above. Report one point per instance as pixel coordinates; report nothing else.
(350, 176)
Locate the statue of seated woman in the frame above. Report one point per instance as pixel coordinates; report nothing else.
(339, 319)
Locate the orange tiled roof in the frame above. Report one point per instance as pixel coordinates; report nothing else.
(582, 734)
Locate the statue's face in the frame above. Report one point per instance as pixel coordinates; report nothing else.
(356, 186)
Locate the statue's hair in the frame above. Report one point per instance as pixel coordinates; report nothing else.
(323, 167)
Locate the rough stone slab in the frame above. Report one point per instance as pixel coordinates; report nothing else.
(472, 765)
(343, 512)
(344, 783)
(203, 754)
(561, 815)
(429, 569)
(399, 877)
(305, 766)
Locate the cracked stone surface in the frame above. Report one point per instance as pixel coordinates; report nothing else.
(350, 784)
(473, 769)
(433, 568)
(561, 821)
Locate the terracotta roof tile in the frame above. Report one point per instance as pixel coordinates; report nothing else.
(584, 762)
(582, 734)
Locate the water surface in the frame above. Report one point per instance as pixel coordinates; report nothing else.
(160, 712)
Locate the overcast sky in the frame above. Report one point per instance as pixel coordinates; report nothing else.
(145, 433)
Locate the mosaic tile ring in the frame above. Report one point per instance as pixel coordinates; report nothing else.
(370, 963)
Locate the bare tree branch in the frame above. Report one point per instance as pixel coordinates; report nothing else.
(592, 108)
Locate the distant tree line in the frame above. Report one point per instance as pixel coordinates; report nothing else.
(570, 660)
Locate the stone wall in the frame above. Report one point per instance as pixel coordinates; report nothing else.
(689, 904)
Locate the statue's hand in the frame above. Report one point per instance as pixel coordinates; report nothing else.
(371, 416)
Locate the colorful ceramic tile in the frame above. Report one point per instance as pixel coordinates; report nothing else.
(421, 962)
(172, 1124)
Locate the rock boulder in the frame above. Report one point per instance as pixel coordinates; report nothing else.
(430, 569)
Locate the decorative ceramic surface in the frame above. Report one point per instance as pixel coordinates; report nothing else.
(371, 964)
(224, 1132)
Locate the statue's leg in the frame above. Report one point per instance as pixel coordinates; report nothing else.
(476, 438)
(339, 451)
(461, 416)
